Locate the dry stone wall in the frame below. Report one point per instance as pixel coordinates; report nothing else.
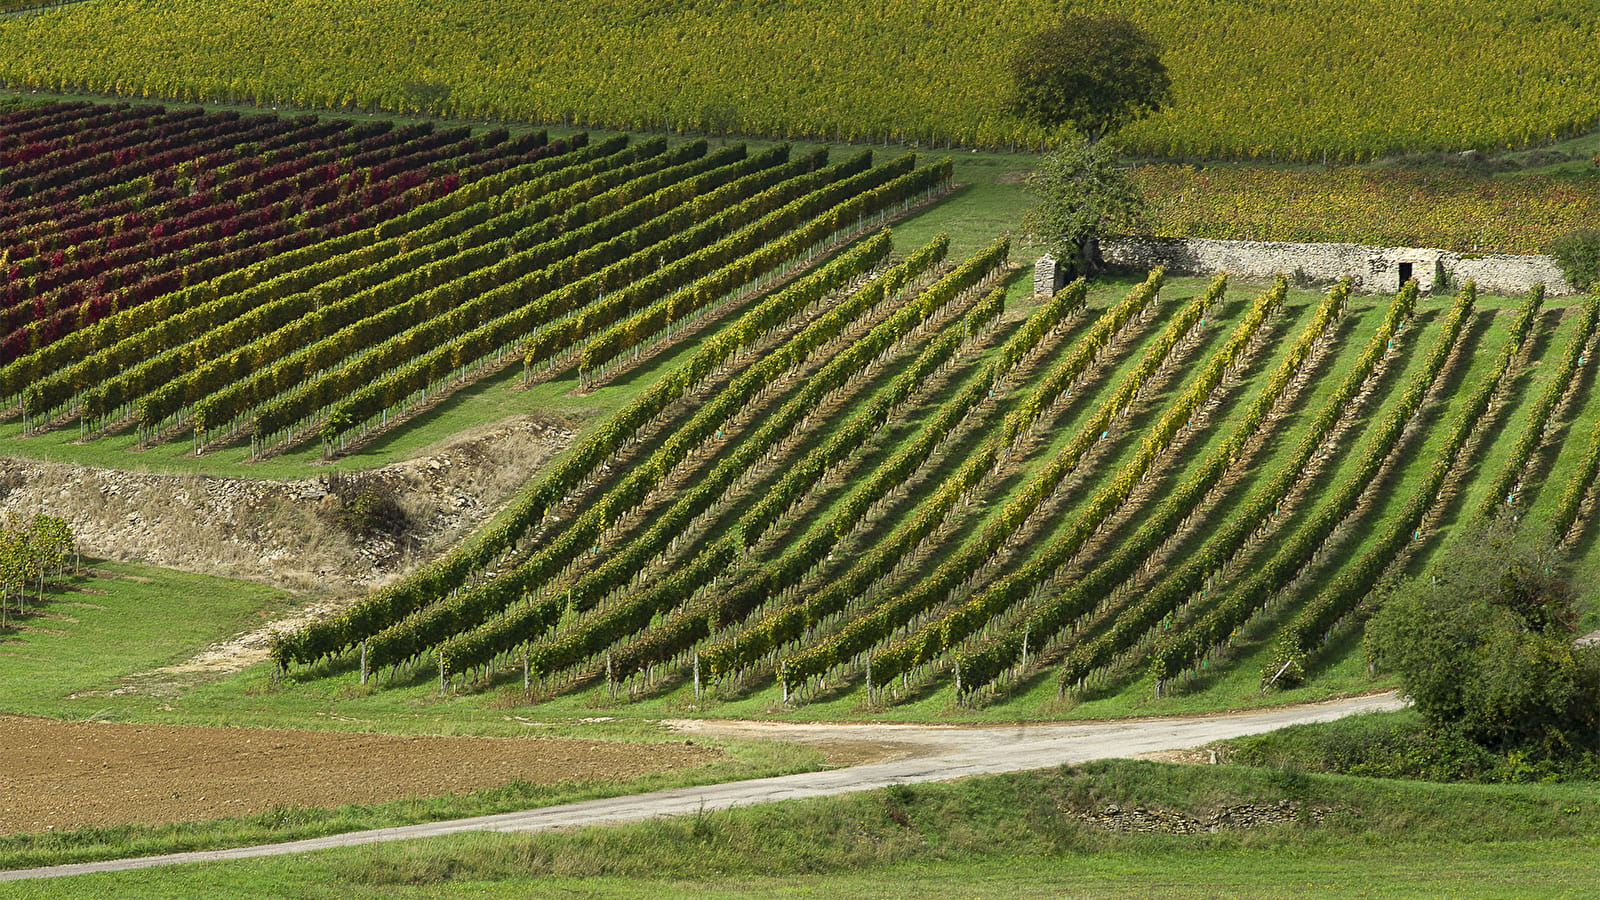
(1370, 269)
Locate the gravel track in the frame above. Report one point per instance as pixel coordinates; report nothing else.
(925, 753)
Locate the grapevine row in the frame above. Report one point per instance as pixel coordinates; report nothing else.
(138, 332)
(1182, 649)
(546, 250)
(960, 568)
(786, 624)
(945, 633)
(1311, 625)
(269, 324)
(693, 621)
(543, 300)
(1537, 423)
(472, 608)
(477, 648)
(979, 668)
(526, 511)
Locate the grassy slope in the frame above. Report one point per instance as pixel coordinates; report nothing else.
(94, 652)
(988, 200)
(408, 698)
(1341, 669)
(129, 639)
(1017, 835)
(129, 619)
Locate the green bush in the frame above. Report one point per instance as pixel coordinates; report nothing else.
(1402, 745)
(1483, 645)
(1578, 255)
(365, 507)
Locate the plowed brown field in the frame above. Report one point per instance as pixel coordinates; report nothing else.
(65, 775)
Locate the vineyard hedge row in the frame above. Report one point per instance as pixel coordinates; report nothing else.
(1386, 207)
(1290, 80)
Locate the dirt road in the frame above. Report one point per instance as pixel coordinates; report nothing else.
(929, 753)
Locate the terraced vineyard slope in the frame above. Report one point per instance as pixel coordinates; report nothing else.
(219, 279)
(880, 483)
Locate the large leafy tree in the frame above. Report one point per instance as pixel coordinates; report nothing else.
(1484, 645)
(1085, 77)
(1083, 191)
(1092, 75)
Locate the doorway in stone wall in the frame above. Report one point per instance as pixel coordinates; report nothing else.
(1405, 273)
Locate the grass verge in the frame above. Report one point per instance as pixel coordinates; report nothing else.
(1049, 832)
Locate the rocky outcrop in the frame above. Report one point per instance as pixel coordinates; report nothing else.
(283, 532)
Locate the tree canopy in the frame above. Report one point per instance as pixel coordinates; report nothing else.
(1093, 74)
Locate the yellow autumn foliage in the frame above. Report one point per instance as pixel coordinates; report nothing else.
(1287, 79)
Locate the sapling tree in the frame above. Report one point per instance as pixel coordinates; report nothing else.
(28, 551)
(49, 541)
(13, 567)
(1083, 192)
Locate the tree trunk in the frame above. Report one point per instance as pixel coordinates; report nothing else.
(1090, 260)
(1087, 260)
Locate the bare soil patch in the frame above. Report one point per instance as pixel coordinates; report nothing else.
(860, 753)
(1193, 757)
(280, 532)
(66, 775)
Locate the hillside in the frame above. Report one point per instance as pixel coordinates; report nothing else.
(1292, 80)
(815, 452)
(1176, 494)
(667, 374)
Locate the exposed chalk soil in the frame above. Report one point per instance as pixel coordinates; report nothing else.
(282, 533)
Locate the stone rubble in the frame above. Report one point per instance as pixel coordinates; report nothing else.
(278, 532)
(1241, 816)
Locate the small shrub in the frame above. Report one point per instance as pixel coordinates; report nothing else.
(365, 507)
(1291, 781)
(896, 798)
(1402, 745)
(1578, 255)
